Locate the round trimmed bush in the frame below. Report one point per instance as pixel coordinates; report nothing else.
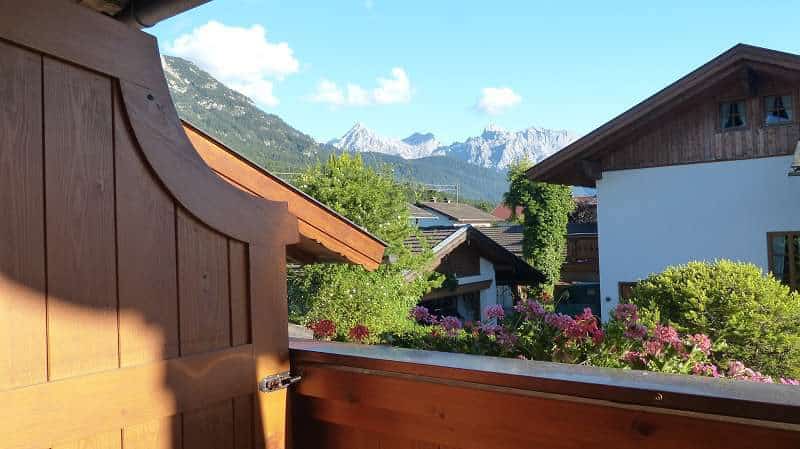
(756, 315)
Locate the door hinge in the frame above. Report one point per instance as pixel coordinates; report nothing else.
(277, 382)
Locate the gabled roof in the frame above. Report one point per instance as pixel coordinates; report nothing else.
(459, 212)
(508, 236)
(568, 166)
(509, 267)
(325, 236)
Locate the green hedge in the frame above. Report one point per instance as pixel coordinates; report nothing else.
(756, 315)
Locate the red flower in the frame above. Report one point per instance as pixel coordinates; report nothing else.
(323, 329)
(359, 332)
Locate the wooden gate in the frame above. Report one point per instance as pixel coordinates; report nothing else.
(141, 297)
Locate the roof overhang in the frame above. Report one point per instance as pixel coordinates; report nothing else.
(509, 268)
(325, 236)
(142, 13)
(579, 163)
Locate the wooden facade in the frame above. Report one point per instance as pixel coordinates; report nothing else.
(681, 123)
(141, 297)
(582, 263)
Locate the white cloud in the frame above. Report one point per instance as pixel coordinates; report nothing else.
(240, 57)
(496, 100)
(328, 92)
(396, 89)
(393, 90)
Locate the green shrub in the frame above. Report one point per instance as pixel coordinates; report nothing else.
(756, 315)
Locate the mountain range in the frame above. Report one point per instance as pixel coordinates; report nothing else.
(475, 165)
(494, 148)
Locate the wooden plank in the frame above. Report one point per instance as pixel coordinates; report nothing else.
(162, 433)
(23, 355)
(148, 290)
(203, 280)
(42, 415)
(239, 293)
(243, 424)
(445, 412)
(81, 254)
(210, 427)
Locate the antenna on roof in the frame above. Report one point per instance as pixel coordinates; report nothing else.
(444, 188)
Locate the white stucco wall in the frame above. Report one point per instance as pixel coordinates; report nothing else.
(488, 295)
(651, 218)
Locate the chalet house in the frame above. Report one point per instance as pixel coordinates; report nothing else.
(143, 290)
(480, 271)
(698, 171)
(447, 213)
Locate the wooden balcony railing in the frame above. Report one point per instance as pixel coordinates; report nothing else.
(355, 396)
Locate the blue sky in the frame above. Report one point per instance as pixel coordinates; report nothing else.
(452, 67)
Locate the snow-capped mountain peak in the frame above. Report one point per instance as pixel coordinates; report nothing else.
(362, 139)
(495, 147)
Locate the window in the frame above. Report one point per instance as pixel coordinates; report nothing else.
(733, 114)
(626, 290)
(778, 110)
(784, 257)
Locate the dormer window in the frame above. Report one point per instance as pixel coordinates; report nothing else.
(732, 114)
(778, 110)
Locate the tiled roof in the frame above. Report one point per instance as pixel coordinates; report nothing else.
(460, 212)
(418, 212)
(509, 237)
(503, 212)
(433, 236)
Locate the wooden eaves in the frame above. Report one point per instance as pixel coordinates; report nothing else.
(325, 236)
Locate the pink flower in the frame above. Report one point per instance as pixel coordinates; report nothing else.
(530, 309)
(626, 313)
(634, 358)
(559, 321)
(495, 311)
(359, 332)
(789, 381)
(705, 369)
(598, 336)
(635, 331)
(450, 324)
(490, 329)
(667, 335)
(421, 314)
(701, 342)
(323, 329)
(653, 347)
(506, 339)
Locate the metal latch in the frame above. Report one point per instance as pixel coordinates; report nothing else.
(277, 382)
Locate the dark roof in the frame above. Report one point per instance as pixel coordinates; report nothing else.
(509, 267)
(418, 212)
(509, 237)
(567, 166)
(433, 235)
(459, 211)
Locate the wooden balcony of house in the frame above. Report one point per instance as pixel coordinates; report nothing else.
(582, 263)
(356, 396)
(143, 291)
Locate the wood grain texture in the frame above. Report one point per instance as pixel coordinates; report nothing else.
(239, 273)
(105, 440)
(42, 415)
(148, 288)
(210, 427)
(81, 254)
(203, 280)
(23, 328)
(469, 415)
(163, 433)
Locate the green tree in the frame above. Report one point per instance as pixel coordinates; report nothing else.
(546, 209)
(348, 294)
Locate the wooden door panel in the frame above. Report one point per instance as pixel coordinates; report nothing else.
(23, 330)
(164, 433)
(79, 192)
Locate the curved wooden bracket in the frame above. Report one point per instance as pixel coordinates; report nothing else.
(186, 176)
